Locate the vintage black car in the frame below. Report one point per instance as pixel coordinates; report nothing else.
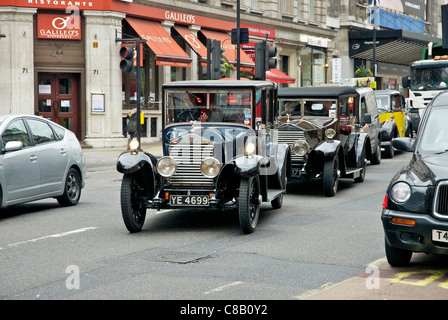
(217, 153)
(394, 119)
(415, 207)
(323, 127)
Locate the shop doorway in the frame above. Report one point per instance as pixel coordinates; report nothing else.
(58, 99)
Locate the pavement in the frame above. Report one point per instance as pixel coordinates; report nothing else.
(91, 153)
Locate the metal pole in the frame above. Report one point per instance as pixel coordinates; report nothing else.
(138, 92)
(374, 38)
(238, 39)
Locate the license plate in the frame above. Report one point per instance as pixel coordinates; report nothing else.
(192, 200)
(440, 235)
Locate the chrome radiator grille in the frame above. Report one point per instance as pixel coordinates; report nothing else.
(188, 158)
(441, 204)
(289, 137)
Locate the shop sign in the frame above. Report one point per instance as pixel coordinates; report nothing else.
(59, 26)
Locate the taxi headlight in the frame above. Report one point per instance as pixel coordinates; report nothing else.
(166, 166)
(300, 147)
(330, 133)
(400, 192)
(134, 144)
(210, 167)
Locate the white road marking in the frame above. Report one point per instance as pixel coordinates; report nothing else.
(224, 287)
(56, 235)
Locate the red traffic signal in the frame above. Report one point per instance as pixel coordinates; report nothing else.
(127, 53)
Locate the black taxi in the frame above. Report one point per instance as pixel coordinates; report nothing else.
(322, 125)
(218, 153)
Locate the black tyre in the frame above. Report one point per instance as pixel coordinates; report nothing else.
(389, 150)
(277, 202)
(376, 156)
(331, 177)
(72, 189)
(397, 257)
(133, 212)
(249, 204)
(362, 177)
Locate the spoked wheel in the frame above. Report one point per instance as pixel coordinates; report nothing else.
(249, 204)
(72, 189)
(331, 176)
(133, 211)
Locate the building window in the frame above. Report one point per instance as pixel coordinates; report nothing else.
(299, 8)
(254, 4)
(311, 10)
(286, 6)
(313, 66)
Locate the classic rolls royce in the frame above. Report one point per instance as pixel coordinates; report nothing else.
(217, 153)
(324, 128)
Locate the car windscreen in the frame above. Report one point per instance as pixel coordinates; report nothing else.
(311, 107)
(207, 106)
(434, 137)
(429, 78)
(383, 102)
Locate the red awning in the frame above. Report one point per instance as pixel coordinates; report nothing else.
(230, 53)
(192, 41)
(166, 49)
(276, 75)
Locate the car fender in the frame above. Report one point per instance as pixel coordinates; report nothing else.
(388, 129)
(248, 166)
(363, 140)
(130, 163)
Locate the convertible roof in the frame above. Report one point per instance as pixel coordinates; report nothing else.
(315, 92)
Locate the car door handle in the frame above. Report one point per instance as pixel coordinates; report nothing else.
(33, 158)
(62, 151)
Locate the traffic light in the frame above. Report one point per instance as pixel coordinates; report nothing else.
(217, 60)
(127, 63)
(260, 60)
(444, 26)
(265, 59)
(271, 57)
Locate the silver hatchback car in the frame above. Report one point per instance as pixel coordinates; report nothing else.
(39, 159)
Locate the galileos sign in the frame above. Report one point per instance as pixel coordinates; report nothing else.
(59, 26)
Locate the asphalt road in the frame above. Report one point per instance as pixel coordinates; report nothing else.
(314, 248)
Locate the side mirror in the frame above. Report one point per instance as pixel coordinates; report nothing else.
(404, 144)
(367, 118)
(13, 146)
(405, 81)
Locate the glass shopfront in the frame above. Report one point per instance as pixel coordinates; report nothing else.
(314, 67)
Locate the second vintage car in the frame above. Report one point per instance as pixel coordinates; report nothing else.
(393, 118)
(328, 138)
(218, 153)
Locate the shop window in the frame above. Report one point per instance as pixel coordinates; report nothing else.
(314, 69)
(149, 80)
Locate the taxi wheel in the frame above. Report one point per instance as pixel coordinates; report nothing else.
(249, 203)
(397, 257)
(72, 189)
(331, 176)
(133, 214)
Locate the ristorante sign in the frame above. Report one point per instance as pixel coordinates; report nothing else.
(58, 26)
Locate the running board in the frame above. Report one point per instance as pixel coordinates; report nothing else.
(274, 193)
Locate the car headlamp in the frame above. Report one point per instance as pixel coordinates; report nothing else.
(330, 133)
(134, 145)
(400, 192)
(210, 167)
(300, 147)
(250, 148)
(166, 166)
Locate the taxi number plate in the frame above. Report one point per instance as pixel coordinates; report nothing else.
(193, 200)
(440, 235)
